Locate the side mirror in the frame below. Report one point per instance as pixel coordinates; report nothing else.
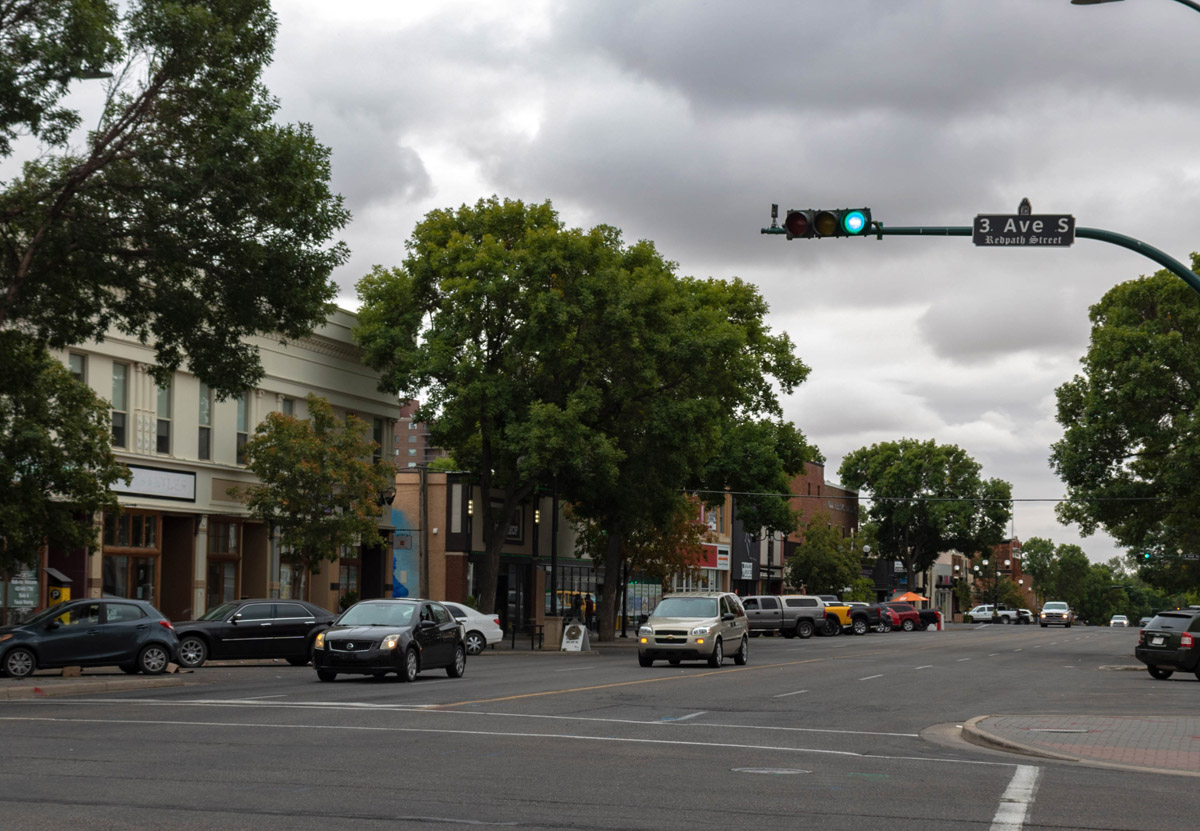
(728, 616)
(52, 625)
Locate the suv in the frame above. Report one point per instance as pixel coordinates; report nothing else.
(1170, 642)
(1057, 612)
(695, 625)
(910, 617)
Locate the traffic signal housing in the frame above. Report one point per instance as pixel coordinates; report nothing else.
(840, 222)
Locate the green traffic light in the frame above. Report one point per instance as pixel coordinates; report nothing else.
(854, 222)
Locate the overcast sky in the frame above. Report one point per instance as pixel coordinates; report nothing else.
(681, 122)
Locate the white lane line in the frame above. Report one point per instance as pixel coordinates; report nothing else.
(683, 718)
(993, 654)
(1014, 804)
(785, 695)
(572, 669)
(960, 660)
(574, 737)
(432, 710)
(869, 677)
(926, 666)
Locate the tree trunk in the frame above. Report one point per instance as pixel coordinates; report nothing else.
(606, 622)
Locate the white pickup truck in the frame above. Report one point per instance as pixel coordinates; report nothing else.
(985, 614)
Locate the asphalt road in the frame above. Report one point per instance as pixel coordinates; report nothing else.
(829, 733)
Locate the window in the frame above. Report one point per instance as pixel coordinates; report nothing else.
(412, 451)
(204, 439)
(243, 429)
(284, 611)
(78, 365)
(288, 407)
(377, 435)
(120, 403)
(122, 612)
(412, 439)
(255, 611)
(163, 432)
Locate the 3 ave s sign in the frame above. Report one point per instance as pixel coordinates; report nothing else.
(1023, 229)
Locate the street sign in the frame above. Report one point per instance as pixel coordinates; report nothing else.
(1041, 230)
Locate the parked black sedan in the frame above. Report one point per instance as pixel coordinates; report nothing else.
(404, 636)
(130, 634)
(255, 628)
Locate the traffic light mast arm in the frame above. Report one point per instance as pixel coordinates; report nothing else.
(1162, 258)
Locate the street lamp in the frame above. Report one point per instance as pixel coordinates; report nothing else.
(1189, 3)
(994, 573)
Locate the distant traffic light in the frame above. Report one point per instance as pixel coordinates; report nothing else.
(1145, 556)
(843, 222)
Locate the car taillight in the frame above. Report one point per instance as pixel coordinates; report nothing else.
(1185, 640)
(167, 624)
(1141, 635)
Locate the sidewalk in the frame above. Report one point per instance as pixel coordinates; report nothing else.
(1154, 744)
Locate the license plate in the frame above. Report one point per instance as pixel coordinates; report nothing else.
(1156, 641)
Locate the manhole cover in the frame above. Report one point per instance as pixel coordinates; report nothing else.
(770, 771)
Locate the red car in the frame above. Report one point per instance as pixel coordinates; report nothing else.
(910, 618)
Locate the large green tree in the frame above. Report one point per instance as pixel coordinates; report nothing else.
(188, 218)
(1130, 451)
(56, 455)
(317, 482)
(927, 498)
(826, 562)
(540, 351)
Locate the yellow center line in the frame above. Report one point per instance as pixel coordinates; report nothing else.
(722, 671)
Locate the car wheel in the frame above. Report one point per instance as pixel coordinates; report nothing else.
(805, 629)
(859, 626)
(833, 627)
(1007, 620)
(153, 659)
(907, 626)
(646, 660)
(412, 665)
(326, 674)
(718, 655)
(743, 653)
(475, 642)
(1159, 673)
(193, 651)
(922, 626)
(459, 665)
(19, 663)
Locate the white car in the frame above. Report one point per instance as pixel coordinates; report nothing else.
(1119, 620)
(479, 630)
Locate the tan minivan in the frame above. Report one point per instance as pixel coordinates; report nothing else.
(694, 626)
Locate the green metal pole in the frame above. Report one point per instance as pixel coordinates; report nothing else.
(1162, 258)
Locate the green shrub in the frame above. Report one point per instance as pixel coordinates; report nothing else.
(967, 617)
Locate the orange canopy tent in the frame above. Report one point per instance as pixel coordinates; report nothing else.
(909, 597)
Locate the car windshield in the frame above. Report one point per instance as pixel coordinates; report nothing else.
(378, 614)
(1054, 606)
(687, 607)
(220, 612)
(45, 614)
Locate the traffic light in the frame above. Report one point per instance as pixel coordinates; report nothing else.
(843, 222)
(1145, 556)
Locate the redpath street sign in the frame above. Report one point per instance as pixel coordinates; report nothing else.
(1023, 229)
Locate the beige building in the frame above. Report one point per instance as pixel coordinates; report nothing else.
(182, 542)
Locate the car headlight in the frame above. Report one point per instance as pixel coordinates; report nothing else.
(702, 630)
(390, 642)
(645, 630)
(319, 643)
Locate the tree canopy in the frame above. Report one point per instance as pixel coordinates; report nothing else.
(55, 455)
(927, 498)
(826, 562)
(543, 352)
(189, 219)
(317, 482)
(1130, 451)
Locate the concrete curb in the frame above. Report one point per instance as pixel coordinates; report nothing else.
(974, 734)
(53, 686)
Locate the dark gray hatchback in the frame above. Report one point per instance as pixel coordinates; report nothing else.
(1171, 643)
